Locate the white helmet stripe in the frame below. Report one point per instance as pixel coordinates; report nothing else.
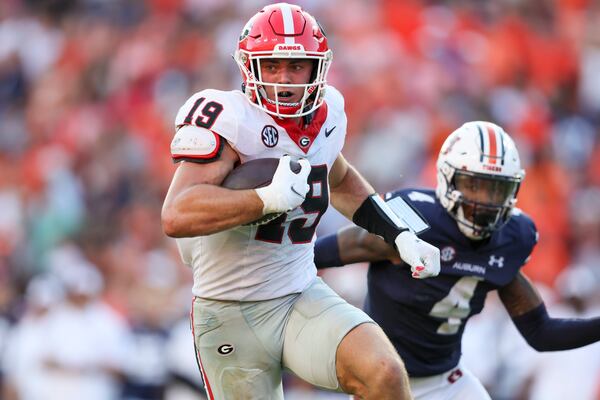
(288, 23)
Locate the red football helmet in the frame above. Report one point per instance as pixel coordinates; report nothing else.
(283, 30)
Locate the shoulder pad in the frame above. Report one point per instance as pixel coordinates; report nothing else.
(192, 143)
(333, 97)
(524, 231)
(336, 115)
(416, 196)
(526, 224)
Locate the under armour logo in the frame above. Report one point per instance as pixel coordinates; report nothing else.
(328, 131)
(499, 261)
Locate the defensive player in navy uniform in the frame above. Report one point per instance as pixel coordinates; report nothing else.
(258, 304)
(483, 240)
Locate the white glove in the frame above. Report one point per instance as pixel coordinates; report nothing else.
(423, 258)
(287, 189)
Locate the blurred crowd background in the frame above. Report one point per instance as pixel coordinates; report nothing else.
(94, 300)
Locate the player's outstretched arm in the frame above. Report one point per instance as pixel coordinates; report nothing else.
(543, 333)
(357, 200)
(350, 245)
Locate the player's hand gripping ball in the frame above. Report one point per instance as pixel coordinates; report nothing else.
(281, 184)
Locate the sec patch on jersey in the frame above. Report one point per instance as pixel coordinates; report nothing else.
(254, 174)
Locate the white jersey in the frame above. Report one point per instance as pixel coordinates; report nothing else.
(276, 259)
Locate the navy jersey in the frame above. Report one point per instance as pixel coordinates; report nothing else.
(425, 319)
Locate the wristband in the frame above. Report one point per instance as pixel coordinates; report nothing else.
(375, 216)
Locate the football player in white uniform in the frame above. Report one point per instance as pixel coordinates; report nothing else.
(258, 304)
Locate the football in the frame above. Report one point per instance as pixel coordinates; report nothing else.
(254, 174)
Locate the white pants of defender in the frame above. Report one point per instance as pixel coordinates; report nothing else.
(457, 384)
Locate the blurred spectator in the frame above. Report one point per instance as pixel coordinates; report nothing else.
(85, 343)
(185, 381)
(152, 315)
(557, 376)
(25, 375)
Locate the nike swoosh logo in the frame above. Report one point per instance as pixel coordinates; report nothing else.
(328, 131)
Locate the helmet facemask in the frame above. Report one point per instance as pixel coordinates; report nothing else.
(255, 87)
(483, 202)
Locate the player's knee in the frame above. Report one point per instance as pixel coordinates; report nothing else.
(369, 366)
(386, 375)
(389, 372)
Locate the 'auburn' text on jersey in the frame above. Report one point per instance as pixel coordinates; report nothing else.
(276, 259)
(425, 318)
